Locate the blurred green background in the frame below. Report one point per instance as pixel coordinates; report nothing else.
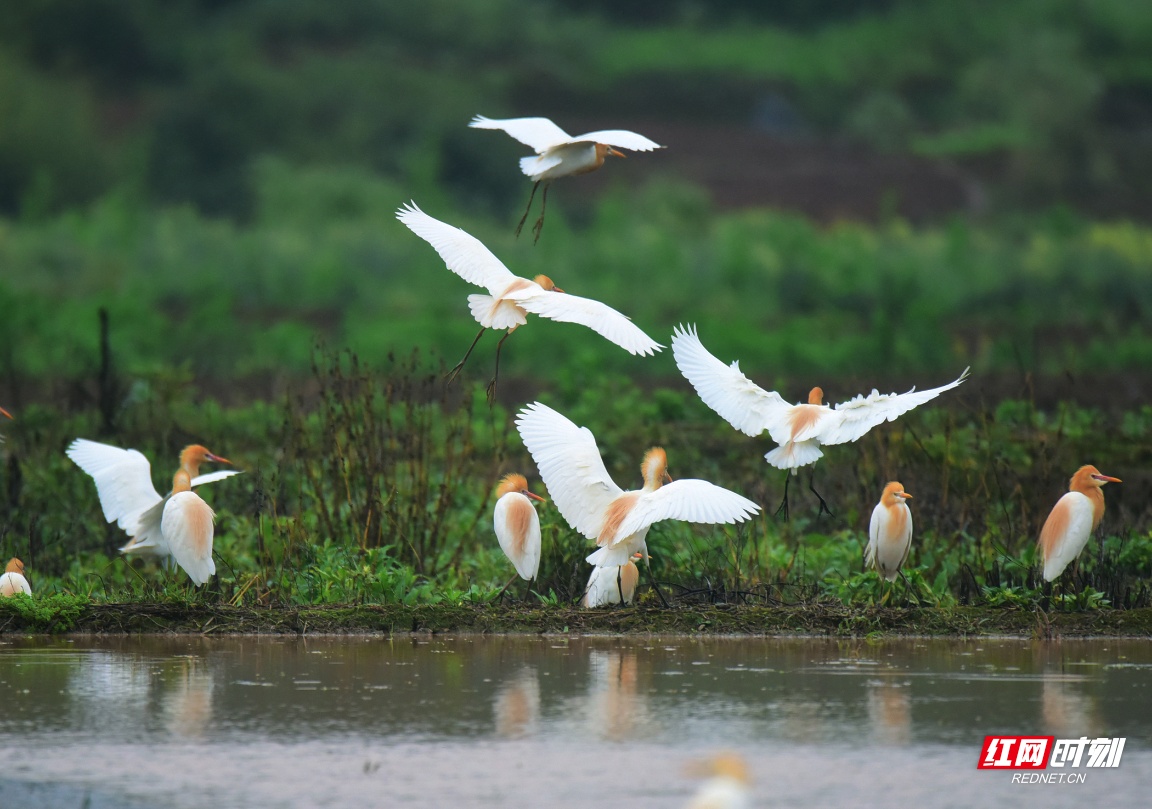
(882, 189)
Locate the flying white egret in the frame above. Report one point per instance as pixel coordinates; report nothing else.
(558, 154)
(176, 528)
(571, 467)
(800, 429)
(510, 297)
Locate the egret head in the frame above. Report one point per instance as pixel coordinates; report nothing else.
(546, 283)
(655, 469)
(1089, 476)
(894, 493)
(518, 484)
(816, 396)
(194, 455)
(14, 566)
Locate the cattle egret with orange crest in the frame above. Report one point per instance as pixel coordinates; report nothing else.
(800, 429)
(571, 467)
(176, 528)
(518, 526)
(13, 581)
(558, 154)
(1073, 519)
(890, 532)
(510, 297)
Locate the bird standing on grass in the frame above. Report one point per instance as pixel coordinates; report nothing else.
(1072, 520)
(571, 467)
(558, 154)
(612, 585)
(890, 532)
(517, 526)
(800, 429)
(176, 528)
(510, 297)
(13, 581)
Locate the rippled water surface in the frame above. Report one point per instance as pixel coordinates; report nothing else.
(137, 723)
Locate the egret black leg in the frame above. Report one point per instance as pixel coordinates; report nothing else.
(783, 507)
(496, 373)
(531, 197)
(451, 375)
(539, 226)
(823, 506)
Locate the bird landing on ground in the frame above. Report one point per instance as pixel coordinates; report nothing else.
(559, 154)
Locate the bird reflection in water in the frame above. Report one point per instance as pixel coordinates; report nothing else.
(890, 712)
(616, 707)
(517, 705)
(187, 699)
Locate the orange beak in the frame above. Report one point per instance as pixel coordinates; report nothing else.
(4, 412)
(557, 289)
(905, 495)
(1107, 479)
(615, 153)
(534, 496)
(210, 457)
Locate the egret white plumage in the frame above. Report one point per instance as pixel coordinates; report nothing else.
(800, 429)
(890, 532)
(510, 297)
(559, 154)
(517, 525)
(12, 582)
(612, 585)
(176, 528)
(1072, 520)
(571, 467)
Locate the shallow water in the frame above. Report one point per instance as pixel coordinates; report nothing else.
(136, 723)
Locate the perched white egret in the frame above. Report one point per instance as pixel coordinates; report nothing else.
(13, 581)
(558, 154)
(612, 585)
(510, 297)
(176, 528)
(517, 525)
(571, 467)
(1072, 520)
(890, 532)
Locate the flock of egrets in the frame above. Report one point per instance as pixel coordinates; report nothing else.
(177, 528)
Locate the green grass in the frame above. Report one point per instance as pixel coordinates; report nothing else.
(377, 488)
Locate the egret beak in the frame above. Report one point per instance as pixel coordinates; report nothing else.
(210, 457)
(667, 477)
(905, 495)
(615, 153)
(534, 496)
(557, 289)
(4, 412)
(1107, 479)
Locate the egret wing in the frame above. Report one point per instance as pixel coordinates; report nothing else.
(736, 398)
(688, 500)
(570, 465)
(852, 419)
(1065, 533)
(620, 138)
(463, 253)
(601, 318)
(212, 477)
(123, 480)
(187, 528)
(538, 133)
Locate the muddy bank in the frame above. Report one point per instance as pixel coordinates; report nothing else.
(60, 614)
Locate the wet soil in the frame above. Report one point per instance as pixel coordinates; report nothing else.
(68, 615)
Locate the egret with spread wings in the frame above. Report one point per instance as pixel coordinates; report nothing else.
(800, 429)
(558, 154)
(511, 297)
(178, 527)
(571, 467)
